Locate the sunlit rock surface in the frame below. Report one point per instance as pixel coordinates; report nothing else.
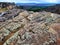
(23, 27)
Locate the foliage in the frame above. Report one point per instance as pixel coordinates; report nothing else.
(37, 8)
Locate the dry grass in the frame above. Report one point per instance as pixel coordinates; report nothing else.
(3, 9)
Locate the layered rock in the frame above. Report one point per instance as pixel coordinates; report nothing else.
(30, 28)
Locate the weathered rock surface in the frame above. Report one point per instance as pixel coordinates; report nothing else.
(30, 28)
(55, 28)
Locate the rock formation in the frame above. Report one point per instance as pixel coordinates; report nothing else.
(22, 27)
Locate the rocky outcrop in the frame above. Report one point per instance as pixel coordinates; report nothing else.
(9, 14)
(6, 4)
(30, 28)
(23, 27)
